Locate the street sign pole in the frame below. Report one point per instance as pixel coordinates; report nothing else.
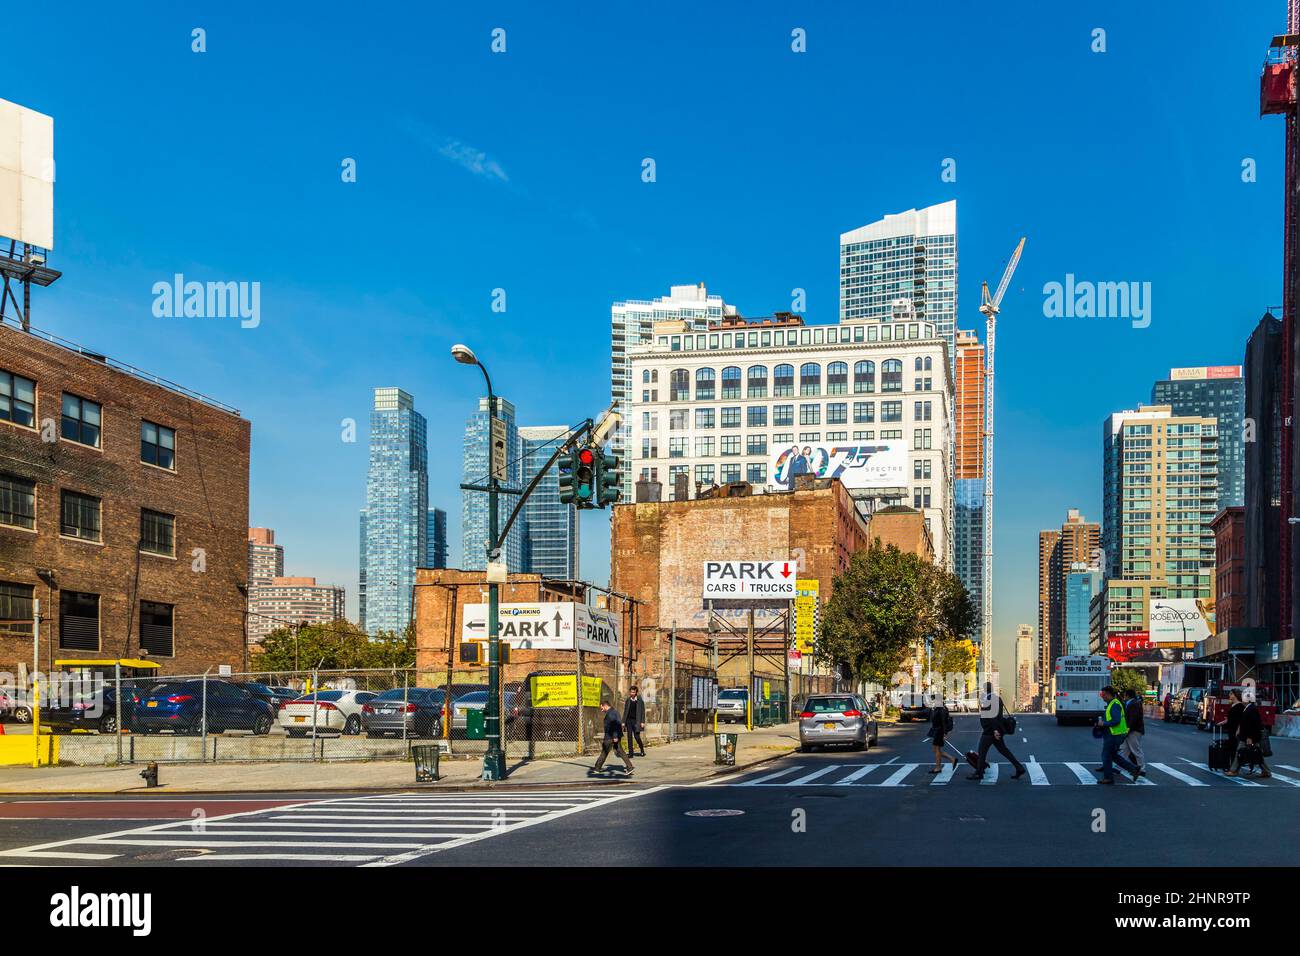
(751, 669)
(493, 759)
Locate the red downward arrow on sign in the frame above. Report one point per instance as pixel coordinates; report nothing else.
(785, 570)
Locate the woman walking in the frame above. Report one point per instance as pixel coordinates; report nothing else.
(940, 726)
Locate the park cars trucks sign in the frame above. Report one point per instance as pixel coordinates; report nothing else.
(768, 580)
(547, 626)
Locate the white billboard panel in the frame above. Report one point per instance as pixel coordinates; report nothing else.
(1180, 620)
(26, 175)
(770, 580)
(858, 465)
(546, 626)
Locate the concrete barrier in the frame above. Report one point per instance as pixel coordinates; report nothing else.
(97, 750)
(1286, 725)
(19, 751)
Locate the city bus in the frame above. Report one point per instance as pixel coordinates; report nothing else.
(1078, 681)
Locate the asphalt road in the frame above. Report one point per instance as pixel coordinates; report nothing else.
(838, 808)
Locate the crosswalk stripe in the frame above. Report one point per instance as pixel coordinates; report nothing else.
(1291, 780)
(1179, 775)
(990, 775)
(1237, 780)
(809, 778)
(857, 774)
(944, 775)
(1037, 775)
(1082, 773)
(770, 776)
(895, 778)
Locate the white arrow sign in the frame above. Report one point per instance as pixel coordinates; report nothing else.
(771, 580)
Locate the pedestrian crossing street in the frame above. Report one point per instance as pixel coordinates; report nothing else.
(894, 773)
(376, 830)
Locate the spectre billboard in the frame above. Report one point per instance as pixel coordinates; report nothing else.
(26, 175)
(857, 465)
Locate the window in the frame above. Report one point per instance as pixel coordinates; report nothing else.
(756, 473)
(917, 364)
(756, 445)
(730, 473)
(731, 444)
(677, 448)
(704, 447)
(756, 416)
(17, 399)
(864, 377)
(837, 436)
(679, 385)
(731, 417)
(783, 381)
(782, 415)
(704, 378)
(158, 445)
(78, 621)
(704, 418)
(80, 420)
(731, 381)
(156, 634)
(891, 375)
(927, 364)
(157, 533)
(921, 439)
(921, 468)
(704, 474)
(837, 413)
(810, 437)
(80, 516)
(921, 411)
(810, 414)
(679, 419)
(891, 411)
(864, 412)
(17, 502)
(810, 379)
(756, 385)
(650, 447)
(837, 378)
(16, 609)
(920, 498)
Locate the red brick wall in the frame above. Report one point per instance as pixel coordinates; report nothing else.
(207, 492)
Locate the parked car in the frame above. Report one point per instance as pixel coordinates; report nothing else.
(14, 705)
(328, 711)
(93, 710)
(1186, 706)
(178, 706)
(913, 707)
(733, 705)
(477, 700)
(276, 698)
(415, 711)
(836, 719)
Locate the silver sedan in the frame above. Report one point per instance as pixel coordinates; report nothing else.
(840, 719)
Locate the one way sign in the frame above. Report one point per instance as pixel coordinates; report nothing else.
(770, 580)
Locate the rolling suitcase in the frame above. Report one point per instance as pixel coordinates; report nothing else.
(1218, 756)
(971, 756)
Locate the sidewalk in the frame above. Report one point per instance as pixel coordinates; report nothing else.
(680, 762)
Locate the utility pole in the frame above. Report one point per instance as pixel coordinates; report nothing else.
(750, 720)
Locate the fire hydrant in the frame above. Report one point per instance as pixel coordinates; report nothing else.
(150, 774)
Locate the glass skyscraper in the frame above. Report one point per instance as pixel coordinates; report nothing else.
(436, 555)
(394, 524)
(1082, 584)
(906, 261)
(474, 504)
(551, 534)
(1213, 392)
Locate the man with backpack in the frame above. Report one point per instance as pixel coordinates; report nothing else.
(1112, 728)
(995, 724)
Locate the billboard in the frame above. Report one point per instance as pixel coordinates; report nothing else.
(1180, 620)
(769, 580)
(547, 626)
(858, 466)
(1204, 372)
(26, 175)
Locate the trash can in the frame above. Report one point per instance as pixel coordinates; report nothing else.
(724, 748)
(426, 762)
(475, 724)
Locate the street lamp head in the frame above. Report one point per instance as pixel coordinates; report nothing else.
(463, 354)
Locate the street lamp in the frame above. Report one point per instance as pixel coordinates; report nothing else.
(494, 764)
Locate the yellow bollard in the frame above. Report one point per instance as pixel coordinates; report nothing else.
(36, 721)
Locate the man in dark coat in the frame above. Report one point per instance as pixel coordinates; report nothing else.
(1231, 724)
(991, 723)
(1250, 732)
(611, 739)
(634, 721)
(1137, 727)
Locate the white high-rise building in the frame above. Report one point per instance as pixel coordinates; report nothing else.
(721, 404)
(632, 324)
(911, 258)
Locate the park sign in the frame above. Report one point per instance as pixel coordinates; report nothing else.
(767, 580)
(546, 626)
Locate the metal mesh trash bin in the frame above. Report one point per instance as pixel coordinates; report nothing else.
(426, 762)
(724, 746)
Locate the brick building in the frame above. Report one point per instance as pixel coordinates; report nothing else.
(1229, 527)
(123, 511)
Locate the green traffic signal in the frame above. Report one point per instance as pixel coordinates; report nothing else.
(607, 480)
(568, 487)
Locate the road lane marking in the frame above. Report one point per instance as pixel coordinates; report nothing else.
(1179, 775)
(944, 775)
(1037, 775)
(1082, 773)
(990, 776)
(1237, 780)
(1291, 780)
(857, 774)
(770, 776)
(809, 778)
(895, 778)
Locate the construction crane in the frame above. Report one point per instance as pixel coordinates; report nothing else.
(990, 306)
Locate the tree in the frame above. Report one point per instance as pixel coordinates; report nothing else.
(1122, 678)
(884, 604)
(337, 646)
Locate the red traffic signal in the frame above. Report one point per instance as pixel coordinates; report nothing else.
(586, 457)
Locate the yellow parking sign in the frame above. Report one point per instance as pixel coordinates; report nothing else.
(805, 615)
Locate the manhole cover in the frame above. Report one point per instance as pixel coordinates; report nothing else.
(715, 813)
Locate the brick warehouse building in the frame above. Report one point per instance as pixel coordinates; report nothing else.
(660, 547)
(123, 510)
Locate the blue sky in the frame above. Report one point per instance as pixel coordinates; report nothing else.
(521, 171)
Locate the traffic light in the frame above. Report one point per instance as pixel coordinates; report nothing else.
(565, 464)
(584, 477)
(607, 492)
